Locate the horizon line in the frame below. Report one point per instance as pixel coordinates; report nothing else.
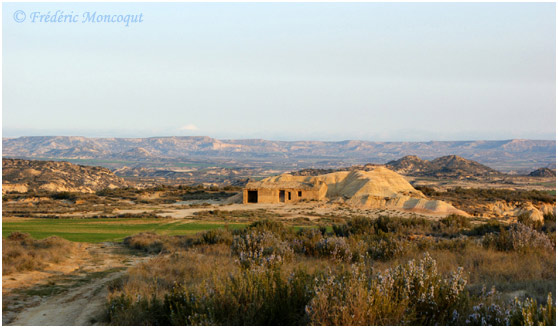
(279, 140)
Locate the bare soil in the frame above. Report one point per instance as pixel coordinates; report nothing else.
(71, 294)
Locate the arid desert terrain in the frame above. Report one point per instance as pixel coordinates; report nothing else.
(406, 241)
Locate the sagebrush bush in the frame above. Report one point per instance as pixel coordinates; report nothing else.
(255, 247)
(355, 226)
(350, 277)
(335, 248)
(306, 240)
(385, 246)
(518, 237)
(451, 224)
(527, 313)
(414, 293)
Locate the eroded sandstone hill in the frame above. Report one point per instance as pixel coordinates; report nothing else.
(23, 175)
(378, 187)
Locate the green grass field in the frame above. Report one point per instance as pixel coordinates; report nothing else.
(100, 230)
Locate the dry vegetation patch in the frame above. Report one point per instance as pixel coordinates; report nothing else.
(364, 271)
(20, 252)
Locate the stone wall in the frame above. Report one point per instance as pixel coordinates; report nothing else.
(283, 195)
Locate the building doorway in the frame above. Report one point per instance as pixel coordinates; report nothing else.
(282, 196)
(252, 196)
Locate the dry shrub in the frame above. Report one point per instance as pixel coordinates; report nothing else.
(413, 293)
(335, 248)
(20, 252)
(158, 275)
(518, 237)
(152, 242)
(216, 236)
(206, 285)
(306, 240)
(514, 313)
(256, 247)
(254, 296)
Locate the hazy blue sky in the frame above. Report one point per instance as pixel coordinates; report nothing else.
(286, 71)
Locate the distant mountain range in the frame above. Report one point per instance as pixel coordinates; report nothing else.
(503, 155)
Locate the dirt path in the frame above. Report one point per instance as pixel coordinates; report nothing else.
(76, 299)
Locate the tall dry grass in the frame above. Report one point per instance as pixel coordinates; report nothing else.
(20, 252)
(269, 274)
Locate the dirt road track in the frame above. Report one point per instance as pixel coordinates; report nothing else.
(82, 306)
(83, 303)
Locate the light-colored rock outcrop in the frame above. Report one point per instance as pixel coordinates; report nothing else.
(377, 188)
(503, 209)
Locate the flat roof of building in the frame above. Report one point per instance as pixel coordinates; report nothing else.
(284, 185)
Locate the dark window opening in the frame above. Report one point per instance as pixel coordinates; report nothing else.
(282, 196)
(300, 194)
(252, 196)
(289, 195)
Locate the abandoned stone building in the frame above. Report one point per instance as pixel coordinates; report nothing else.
(283, 191)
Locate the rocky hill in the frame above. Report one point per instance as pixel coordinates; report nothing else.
(543, 172)
(409, 165)
(503, 155)
(25, 175)
(446, 166)
(377, 187)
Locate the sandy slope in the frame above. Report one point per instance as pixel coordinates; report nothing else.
(377, 188)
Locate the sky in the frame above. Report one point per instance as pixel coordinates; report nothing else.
(282, 71)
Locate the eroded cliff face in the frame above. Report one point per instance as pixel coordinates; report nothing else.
(502, 209)
(20, 175)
